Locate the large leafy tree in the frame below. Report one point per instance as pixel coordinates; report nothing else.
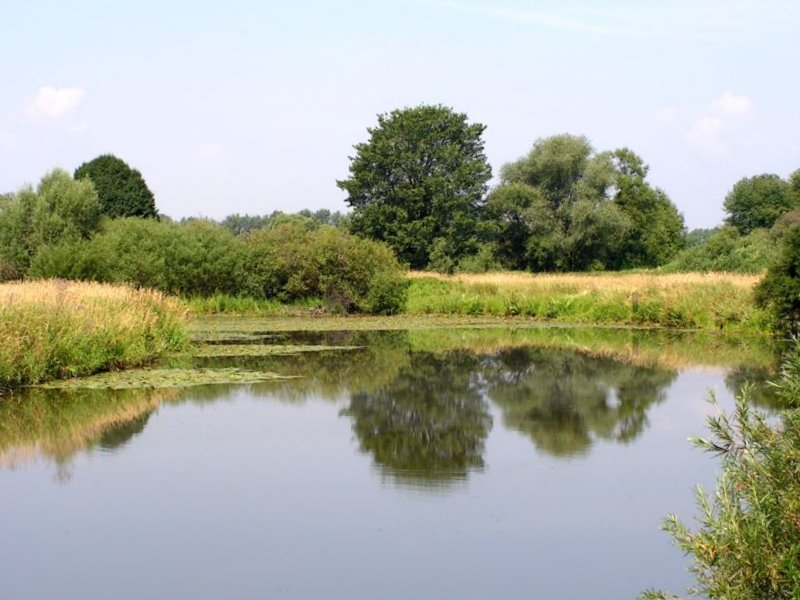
(564, 206)
(419, 182)
(760, 201)
(122, 191)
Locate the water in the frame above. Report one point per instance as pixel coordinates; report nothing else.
(410, 468)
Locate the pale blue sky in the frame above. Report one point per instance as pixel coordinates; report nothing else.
(249, 107)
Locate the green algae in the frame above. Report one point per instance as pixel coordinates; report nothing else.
(164, 378)
(224, 350)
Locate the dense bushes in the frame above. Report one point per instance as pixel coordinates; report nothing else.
(292, 260)
(780, 289)
(727, 250)
(60, 209)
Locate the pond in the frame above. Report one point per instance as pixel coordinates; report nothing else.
(458, 463)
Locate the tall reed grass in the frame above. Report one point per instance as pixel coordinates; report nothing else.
(55, 329)
(709, 301)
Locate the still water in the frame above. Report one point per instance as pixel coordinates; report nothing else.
(437, 465)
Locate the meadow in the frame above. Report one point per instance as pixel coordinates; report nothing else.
(55, 329)
(705, 301)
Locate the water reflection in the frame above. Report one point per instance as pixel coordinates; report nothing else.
(54, 425)
(419, 402)
(428, 425)
(565, 400)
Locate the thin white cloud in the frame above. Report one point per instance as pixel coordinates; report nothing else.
(711, 132)
(52, 103)
(714, 130)
(731, 105)
(706, 133)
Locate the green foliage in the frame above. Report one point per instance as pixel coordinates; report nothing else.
(59, 210)
(419, 178)
(290, 262)
(759, 202)
(122, 191)
(243, 224)
(748, 543)
(726, 250)
(779, 291)
(565, 207)
(198, 258)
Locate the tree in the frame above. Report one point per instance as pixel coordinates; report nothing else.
(121, 190)
(419, 178)
(60, 209)
(656, 234)
(759, 202)
(572, 208)
(779, 291)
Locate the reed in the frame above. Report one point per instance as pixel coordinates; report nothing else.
(55, 329)
(707, 301)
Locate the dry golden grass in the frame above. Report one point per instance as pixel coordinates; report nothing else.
(675, 300)
(611, 282)
(58, 328)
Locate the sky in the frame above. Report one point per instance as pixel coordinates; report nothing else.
(249, 106)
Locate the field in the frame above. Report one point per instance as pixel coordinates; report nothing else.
(708, 301)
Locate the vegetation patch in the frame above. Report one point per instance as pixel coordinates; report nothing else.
(708, 301)
(164, 378)
(57, 329)
(213, 350)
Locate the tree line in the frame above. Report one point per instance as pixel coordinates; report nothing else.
(420, 196)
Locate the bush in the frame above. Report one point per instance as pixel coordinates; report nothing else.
(290, 262)
(748, 545)
(198, 258)
(779, 291)
(726, 250)
(59, 210)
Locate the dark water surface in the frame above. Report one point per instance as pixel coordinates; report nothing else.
(413, 467)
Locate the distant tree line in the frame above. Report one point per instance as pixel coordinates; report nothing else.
(420, 197)
(62, 228)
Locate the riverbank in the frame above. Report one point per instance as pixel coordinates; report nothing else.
(54, 329)
(685, 301)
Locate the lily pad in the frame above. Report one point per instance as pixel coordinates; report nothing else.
(214, 350)
(164, 378)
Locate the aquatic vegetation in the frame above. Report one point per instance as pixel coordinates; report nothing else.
(55, 329)
(163, 378)
(213, 350)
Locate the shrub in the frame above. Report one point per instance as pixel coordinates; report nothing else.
(290, 262)
(726, 250)
(748, 545)
(779, 291)
(198, 258)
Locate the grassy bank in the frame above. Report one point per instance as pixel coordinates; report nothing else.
(54, 329)
(709, 301)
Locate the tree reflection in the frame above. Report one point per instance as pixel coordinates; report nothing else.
(563, 400)
(428, 425)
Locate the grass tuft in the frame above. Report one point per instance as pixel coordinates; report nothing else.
(55, 329)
